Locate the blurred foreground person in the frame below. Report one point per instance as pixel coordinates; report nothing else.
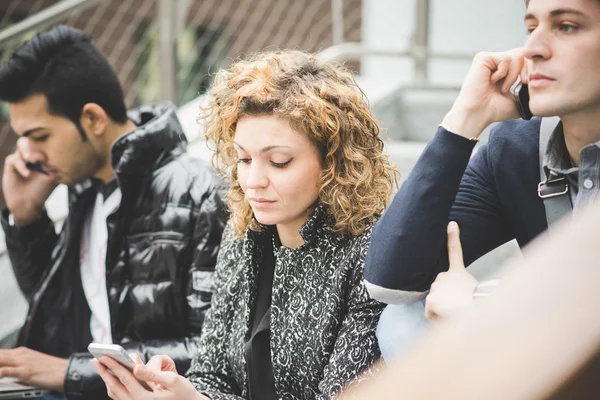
(537, 336)
(291, 317)
(134, 261)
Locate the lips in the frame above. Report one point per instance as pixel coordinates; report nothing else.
(535, 77)
(261, 200)
(539, 80)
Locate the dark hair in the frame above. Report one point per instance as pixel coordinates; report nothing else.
(64, 65)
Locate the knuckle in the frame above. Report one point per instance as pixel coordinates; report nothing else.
(156, 358)
(172, 379)
(482, 55)
(9, 160)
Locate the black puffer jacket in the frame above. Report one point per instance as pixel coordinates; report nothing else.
(161, 253)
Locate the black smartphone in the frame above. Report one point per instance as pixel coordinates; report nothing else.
(37, 167)
(522, 98)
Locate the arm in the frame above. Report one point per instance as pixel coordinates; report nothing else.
(356, 347)
(408, 248)
(30, 250)
(208, 231)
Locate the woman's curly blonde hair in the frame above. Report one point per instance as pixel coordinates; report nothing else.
(320, 99)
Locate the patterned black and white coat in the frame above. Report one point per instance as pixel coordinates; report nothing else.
(323, 321)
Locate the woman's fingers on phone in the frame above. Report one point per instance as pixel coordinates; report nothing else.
(123, 375)
(137, 359)
(162, 363)
(114, 387)
(167, 379)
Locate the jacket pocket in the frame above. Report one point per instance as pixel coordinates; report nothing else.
(154, 256)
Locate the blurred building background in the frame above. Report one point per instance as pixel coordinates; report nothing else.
(410, 57)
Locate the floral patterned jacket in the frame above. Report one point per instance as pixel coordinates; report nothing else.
(322, 319)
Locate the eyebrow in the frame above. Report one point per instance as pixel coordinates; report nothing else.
(557, 13)
(31, 131)
(265, 149)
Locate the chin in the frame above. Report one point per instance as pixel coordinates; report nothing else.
(543, 109)
(266, 218)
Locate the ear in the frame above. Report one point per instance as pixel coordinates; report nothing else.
(94, 119)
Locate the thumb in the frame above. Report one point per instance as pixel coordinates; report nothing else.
(164, 378)
(455, 254)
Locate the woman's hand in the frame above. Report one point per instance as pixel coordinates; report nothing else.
(158, 363)
(165, 384)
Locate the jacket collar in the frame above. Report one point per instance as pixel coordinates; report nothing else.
(158, 134)
(318, 224)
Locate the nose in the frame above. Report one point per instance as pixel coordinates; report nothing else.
(256, 177)
(538, 46)
(29, 151)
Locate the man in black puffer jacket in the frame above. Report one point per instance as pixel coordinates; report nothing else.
(134, 261)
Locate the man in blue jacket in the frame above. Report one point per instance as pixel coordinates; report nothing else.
(494, 196)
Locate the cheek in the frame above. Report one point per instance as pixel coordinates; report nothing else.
(242, 174)
(298, 185)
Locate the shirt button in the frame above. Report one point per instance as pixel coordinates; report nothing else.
(588, 184)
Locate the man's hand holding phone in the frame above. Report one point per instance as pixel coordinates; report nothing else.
(25, 190)
(485, 96)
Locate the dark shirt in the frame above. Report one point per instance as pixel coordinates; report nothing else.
(105, 188)
(258, 349)
(492, 196)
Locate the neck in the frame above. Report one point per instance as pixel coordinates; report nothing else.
(580, 130)
(289, 234)
(105, 173)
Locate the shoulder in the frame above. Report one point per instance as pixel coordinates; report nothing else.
(189, 176)
(355, 247)
(514, 137)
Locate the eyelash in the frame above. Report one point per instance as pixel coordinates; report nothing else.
(560, 26)
(40, 138)
(276, 165)
(573, 28)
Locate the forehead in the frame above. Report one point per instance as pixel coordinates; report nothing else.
(543, 8)
(31, 112)
(254, 132)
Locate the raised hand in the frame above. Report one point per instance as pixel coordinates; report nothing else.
(485, 95)
(25, 191)
(451, 291)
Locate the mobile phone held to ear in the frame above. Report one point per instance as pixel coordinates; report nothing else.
(522, 98)
(117, 353)
(37, 167)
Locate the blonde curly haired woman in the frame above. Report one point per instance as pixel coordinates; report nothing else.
(290, 317)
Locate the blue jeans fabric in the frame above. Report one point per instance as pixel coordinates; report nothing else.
(399, 326)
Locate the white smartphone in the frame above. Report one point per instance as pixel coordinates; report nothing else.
(117, 353)
(114, 351)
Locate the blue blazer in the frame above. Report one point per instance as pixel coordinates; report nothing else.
(492, 196)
